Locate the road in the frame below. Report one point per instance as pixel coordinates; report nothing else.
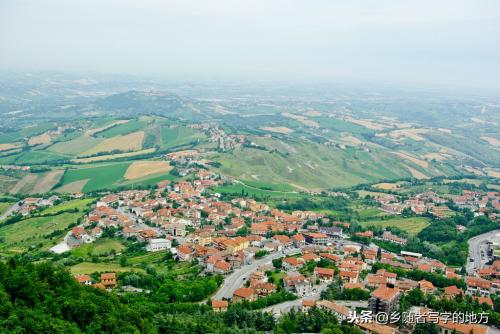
(285, 307)
(237, 278)
(478, 245)
(9, 211)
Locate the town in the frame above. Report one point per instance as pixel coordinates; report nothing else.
(302, 255)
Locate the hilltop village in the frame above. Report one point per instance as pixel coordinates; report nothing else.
(303, 259)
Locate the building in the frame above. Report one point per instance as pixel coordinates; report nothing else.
(340, 311)
(384, 299)
(244, 294)
(219, 305)
(156, 245)
(298, 284)
(108, 280)
(324, 274)
(316, 238)
(83, 279)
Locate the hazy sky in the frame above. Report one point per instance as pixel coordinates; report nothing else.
(421, 41)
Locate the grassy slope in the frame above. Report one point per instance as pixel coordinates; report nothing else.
(33, 231)
(310, 165)
(75, 146)
(172, 137)
(100, 176)
(412, 225)
(79, 204)
(100, 247)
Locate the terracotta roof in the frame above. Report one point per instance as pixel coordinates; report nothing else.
(425, 284)
(308, 302)
(385, 293)
(324, 271)
(108, 276)
(244, 292)
(484, 300)
(354, 286)
(376, 279)
(374, 327)
(82, 278)
(220, 303)
(335, 307)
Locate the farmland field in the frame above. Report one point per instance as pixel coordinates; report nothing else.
(45, 182)
(98, 248)
(140, 169)
(123, 129)
(4, 206)
(89, 268)
(78, 204)
(129, 142)
(99, 176)
(411, 225)
(33, 231)
(75, 146)
(114, 156)
(178, 136)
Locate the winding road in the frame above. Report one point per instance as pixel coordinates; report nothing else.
(478, 245)
(239, 276)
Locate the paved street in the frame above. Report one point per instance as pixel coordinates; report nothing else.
(477, 250)
(285, 307)
(237, 278)
(9, 211)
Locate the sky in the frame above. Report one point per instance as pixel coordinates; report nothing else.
(424, 42)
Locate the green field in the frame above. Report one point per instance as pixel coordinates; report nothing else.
(75, 146)
(33, 231)
(100, 177)
(250, 191)
(78, 204)
(4, 206)
(98, 248)
(90, 268)
(123, 129)
(309, 165)
(178, 136)
(412, 225)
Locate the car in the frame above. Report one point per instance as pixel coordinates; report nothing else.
(471, 260)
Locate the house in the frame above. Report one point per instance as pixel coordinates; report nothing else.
(340, 311)
(375, 281)
(450, 292)
(222, 267)
(108, 280)
(264, 288)
(388, 236)
(298, 240)
(244, 294)
(477, 286)
(156, 245)
(307, 304)
(349, 276)
(316, 238)
(325, 275)
(298, 284)
(185, 253)
(83, 279)
(375, 328)
(291, 263)
(334, 231)
(426, 286)
(220, 305)
(384, 299)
